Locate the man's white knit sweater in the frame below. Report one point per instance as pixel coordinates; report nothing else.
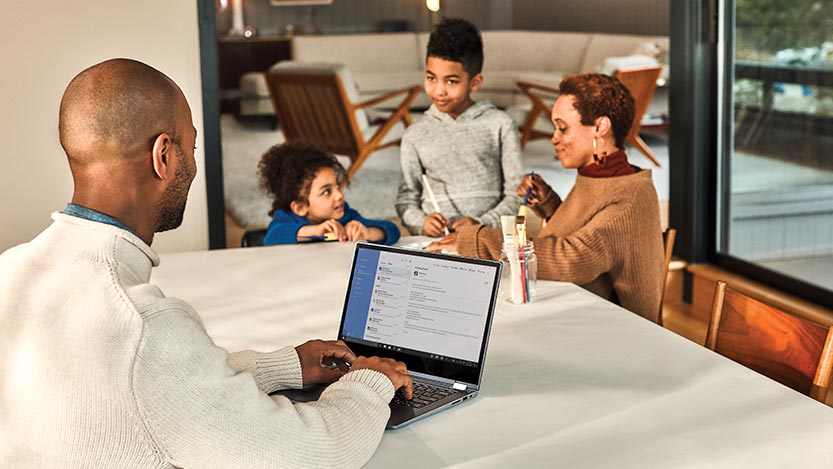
(473, 164)
(99, 369)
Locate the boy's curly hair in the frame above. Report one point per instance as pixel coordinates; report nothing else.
(457, 40)
(286, 172)
(596, 95)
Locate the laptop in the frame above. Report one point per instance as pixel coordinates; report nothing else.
(431, 311)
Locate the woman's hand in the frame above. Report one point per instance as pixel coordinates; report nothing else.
(542, 199)
(461, 222)
(435, 225)
(447, 244)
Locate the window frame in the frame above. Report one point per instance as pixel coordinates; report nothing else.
(699, 146)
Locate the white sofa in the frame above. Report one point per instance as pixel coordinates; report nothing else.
(384, 62)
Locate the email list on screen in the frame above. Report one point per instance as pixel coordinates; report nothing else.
(434, 305)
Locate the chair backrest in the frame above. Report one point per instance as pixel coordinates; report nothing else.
(788, 349)
(314, 103)
(253, 238)
(641, 82)
(668, 238)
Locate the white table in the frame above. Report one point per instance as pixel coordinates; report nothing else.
(570, 381)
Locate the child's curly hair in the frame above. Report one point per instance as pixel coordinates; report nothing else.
(457, 40)
(286, 172)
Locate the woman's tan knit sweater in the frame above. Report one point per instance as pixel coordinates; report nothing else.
(604, 226)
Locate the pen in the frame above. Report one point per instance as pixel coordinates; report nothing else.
(431, 197)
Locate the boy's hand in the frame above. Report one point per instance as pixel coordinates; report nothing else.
(356, 231)
(331, 226)
(434, 225)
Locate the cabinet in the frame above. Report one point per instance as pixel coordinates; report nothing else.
(238, 55)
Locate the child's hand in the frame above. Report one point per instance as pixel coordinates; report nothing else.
(331, 226)
(434, 225)
(356, 231)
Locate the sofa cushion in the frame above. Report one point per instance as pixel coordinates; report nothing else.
(533, 50)
(389, 52)
(371, 85)
(627, 62)
(602, 46)
(375, 83)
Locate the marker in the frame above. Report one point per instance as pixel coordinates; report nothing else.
(326, 237)
(522, 209)
(431, 197)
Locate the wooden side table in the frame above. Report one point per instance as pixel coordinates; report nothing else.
(237, 56)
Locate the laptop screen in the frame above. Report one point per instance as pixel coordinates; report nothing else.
(431, 311)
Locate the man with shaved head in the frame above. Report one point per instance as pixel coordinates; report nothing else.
(99, 369)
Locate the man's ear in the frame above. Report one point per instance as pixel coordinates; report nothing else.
(298, 208)
(161, 155)
(475, 83)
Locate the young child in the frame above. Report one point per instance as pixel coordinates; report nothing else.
(470, 152)
(308, 202)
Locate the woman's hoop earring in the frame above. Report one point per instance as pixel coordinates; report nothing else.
(596, 158)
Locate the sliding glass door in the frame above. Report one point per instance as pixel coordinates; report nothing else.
(775, 139)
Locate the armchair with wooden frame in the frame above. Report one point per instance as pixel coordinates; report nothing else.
(641, 82)
(316, 103)
(785, 348)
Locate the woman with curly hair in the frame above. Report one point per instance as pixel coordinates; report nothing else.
(308, 204)
(606, 235)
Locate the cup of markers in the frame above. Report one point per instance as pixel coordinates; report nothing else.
(523, 271)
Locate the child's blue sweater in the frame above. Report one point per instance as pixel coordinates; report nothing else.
(285, 225)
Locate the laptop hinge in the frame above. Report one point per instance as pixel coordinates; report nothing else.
(459, 386)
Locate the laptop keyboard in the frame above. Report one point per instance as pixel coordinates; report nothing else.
(424, 394)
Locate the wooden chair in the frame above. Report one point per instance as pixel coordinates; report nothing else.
(316, 103)
(538, 96)
(253, 238)
(668, 238)
(641, 82)
(788, 349)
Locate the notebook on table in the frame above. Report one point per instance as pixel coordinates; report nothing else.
(431, 311)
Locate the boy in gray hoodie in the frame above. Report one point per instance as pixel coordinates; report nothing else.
(469, 151)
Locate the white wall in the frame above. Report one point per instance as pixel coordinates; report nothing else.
(45, 44)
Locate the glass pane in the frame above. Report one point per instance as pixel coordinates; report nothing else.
(778, 205)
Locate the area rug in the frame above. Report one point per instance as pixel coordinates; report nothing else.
(373, 188)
